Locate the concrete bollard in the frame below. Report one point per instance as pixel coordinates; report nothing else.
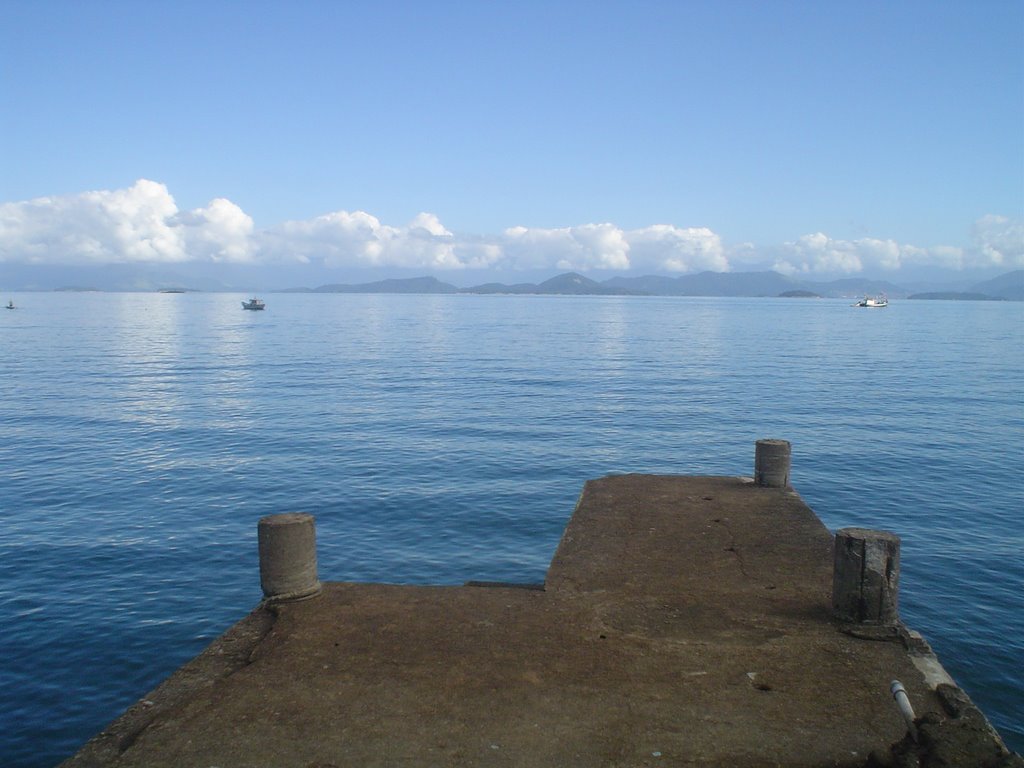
(771, 463)
(287, 545)
(865, 581)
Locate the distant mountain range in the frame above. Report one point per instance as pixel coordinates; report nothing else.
(407, 285)
(1005, 287)
(1009, 286)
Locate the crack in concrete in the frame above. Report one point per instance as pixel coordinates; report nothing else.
(724, 522)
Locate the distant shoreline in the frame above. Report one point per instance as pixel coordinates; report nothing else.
(1006, 287)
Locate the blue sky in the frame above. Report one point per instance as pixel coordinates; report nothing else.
(823, 139)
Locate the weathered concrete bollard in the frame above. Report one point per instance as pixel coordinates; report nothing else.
(865, 581)
(771, 463)
(287, 545)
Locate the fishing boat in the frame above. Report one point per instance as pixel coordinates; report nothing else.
(253, 303)
(873, 301)
(10, 304)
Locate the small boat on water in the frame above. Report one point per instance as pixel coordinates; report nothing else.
(253, 303)
(10, 304)
(873, 301)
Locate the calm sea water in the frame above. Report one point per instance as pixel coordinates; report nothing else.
(444, 438)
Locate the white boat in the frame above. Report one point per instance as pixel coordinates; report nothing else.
(253, 303)
(873, 301)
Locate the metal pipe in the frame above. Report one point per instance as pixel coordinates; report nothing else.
(899, 693)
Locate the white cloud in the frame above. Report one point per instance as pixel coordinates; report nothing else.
(138, 224)
(360, 239)
(819, 253)
(336, 237)
(998, 241)
(220, 232)
(590, 246)
(665, 248)
(142, 223)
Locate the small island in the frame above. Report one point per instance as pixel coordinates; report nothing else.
(799, 294)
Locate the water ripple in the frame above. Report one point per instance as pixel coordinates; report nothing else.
(445, 438)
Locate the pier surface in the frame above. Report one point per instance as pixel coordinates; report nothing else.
(683, 622)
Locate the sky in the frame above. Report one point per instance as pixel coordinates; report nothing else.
(502, 139)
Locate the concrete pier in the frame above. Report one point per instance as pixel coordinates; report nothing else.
(683, 622)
